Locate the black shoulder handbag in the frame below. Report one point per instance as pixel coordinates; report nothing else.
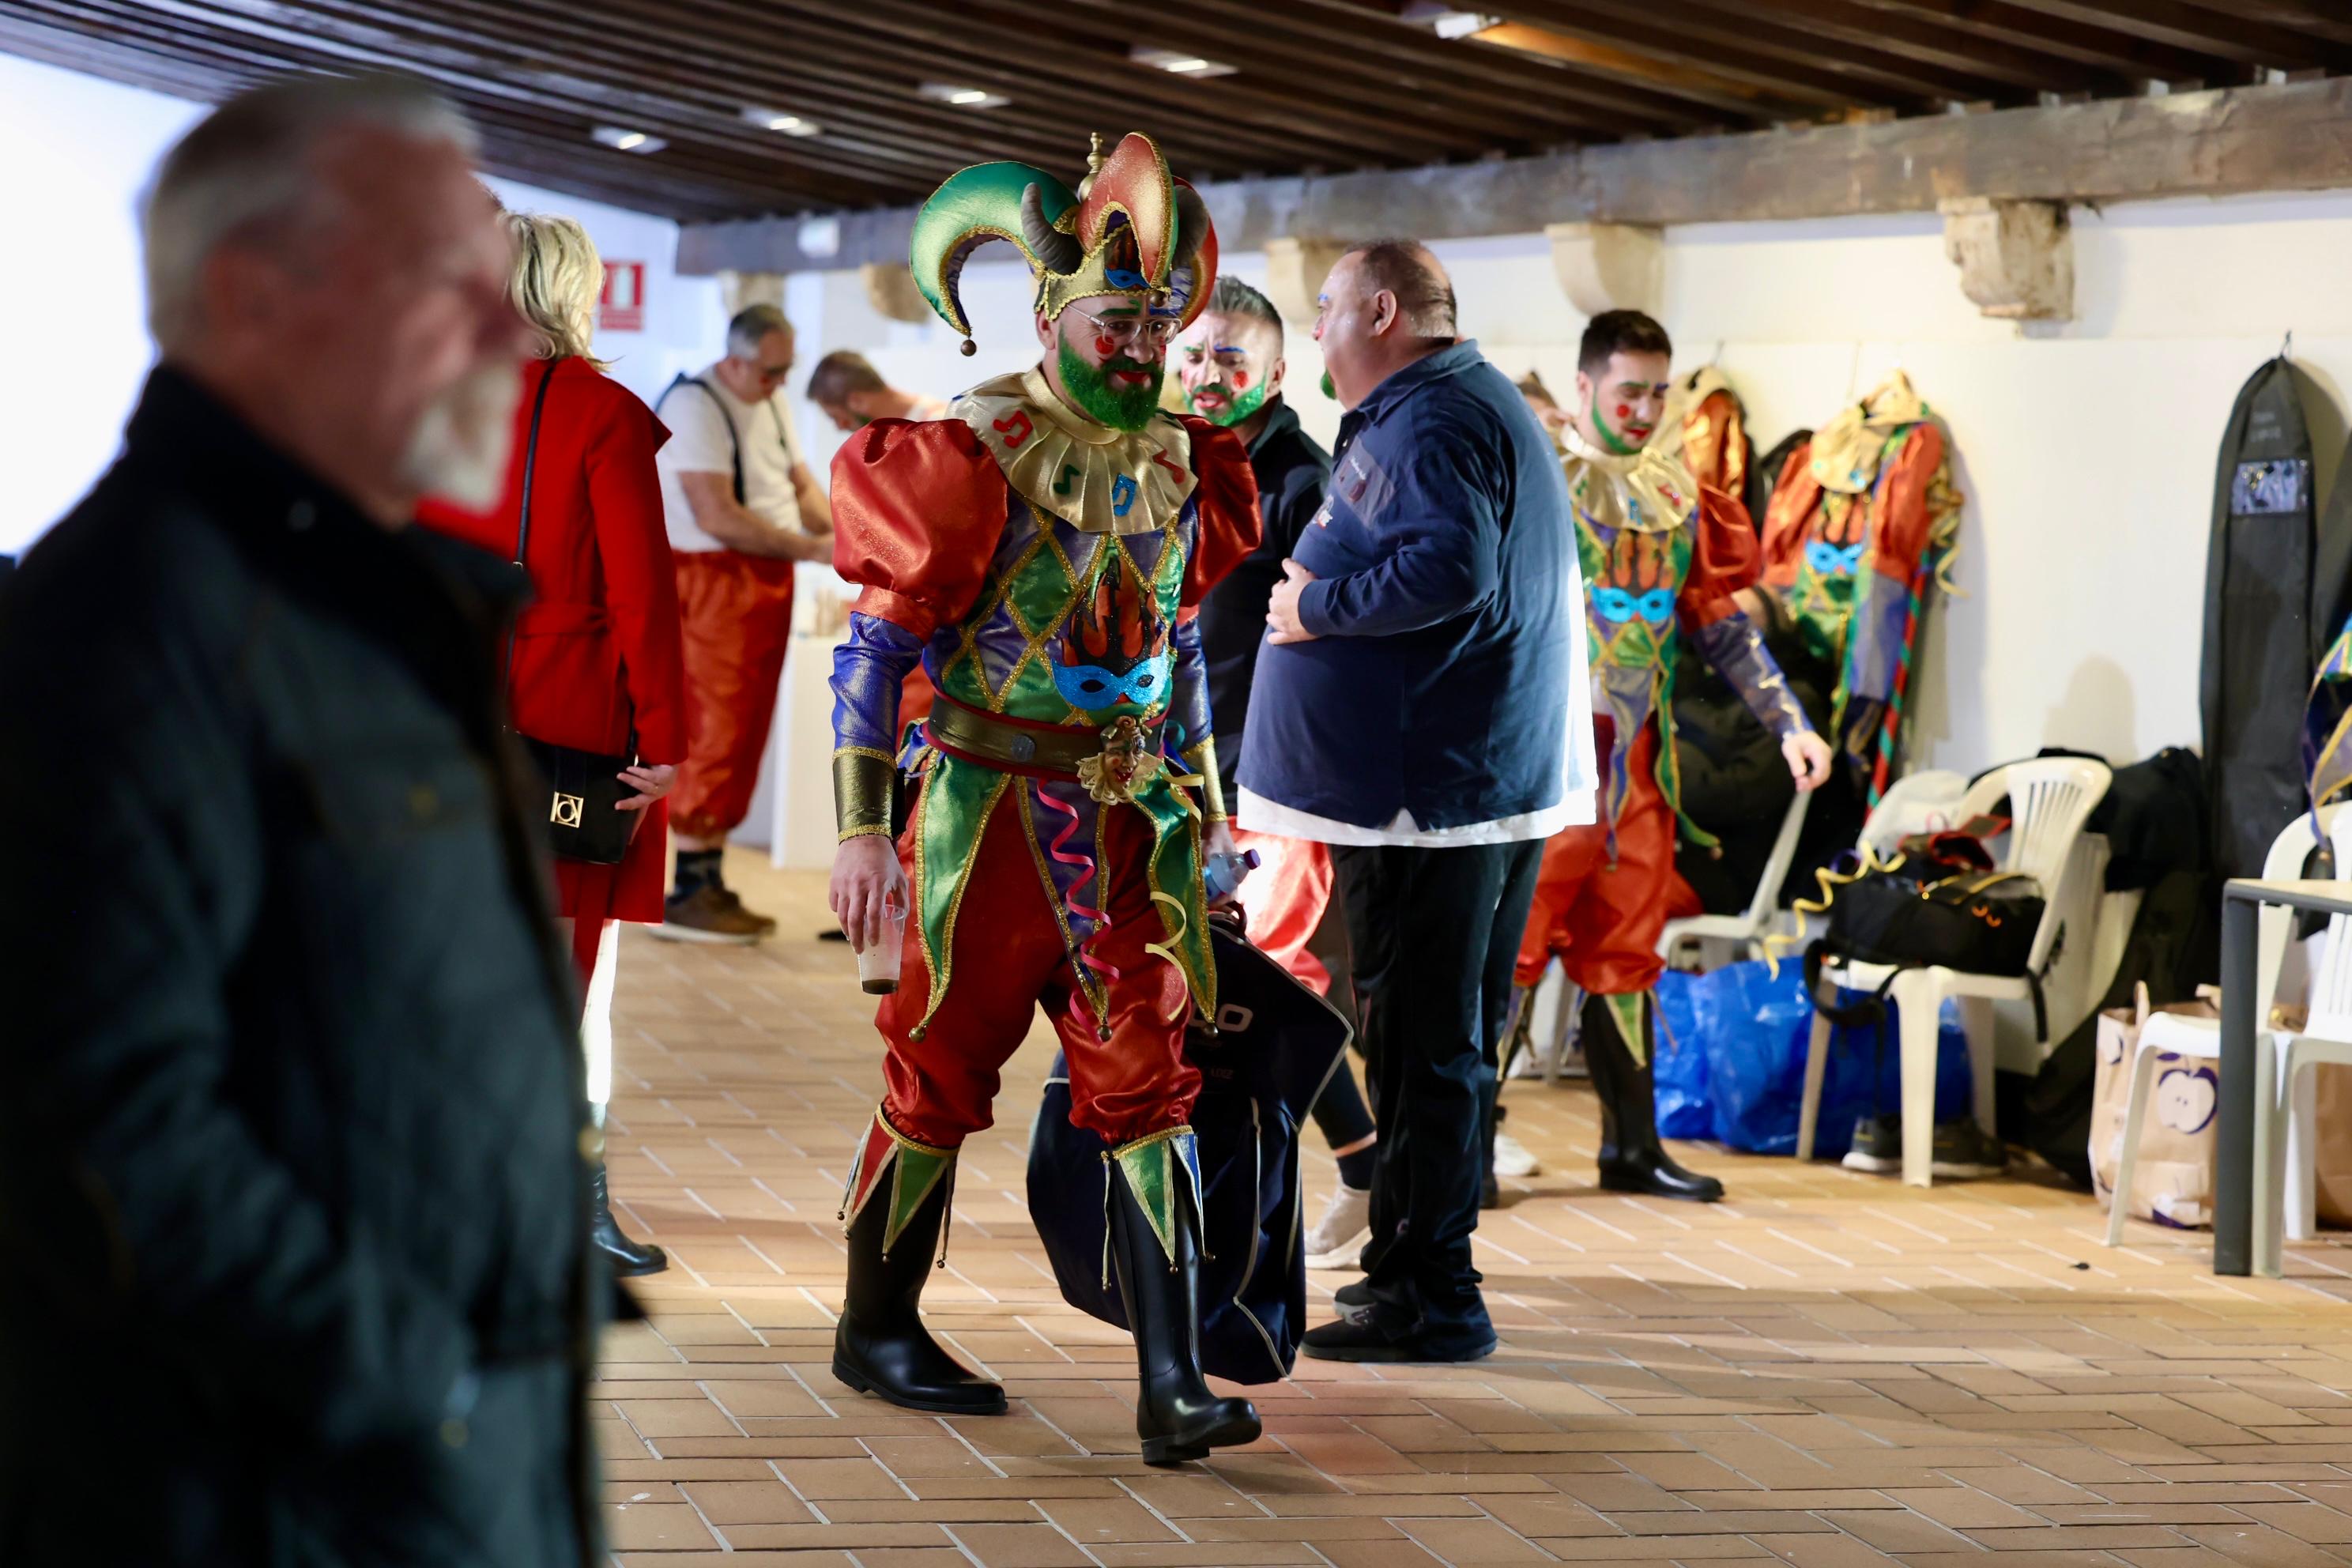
(584, 788)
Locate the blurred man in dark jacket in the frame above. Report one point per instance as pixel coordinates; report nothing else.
(1422, 707)
(291, 1185)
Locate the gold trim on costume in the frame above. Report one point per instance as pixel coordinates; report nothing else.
(1201, 757)
(862, 779)
(1847, 451)
(1648, 491)
(1094, 477)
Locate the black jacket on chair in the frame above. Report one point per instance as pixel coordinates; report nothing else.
(292, 1201)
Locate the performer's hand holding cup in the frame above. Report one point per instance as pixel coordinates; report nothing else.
(868, 896)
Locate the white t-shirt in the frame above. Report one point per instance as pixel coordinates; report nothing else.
(700, 443)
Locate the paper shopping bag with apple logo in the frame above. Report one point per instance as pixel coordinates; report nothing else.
(2173, 1182)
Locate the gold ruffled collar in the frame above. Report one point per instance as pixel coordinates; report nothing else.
(1096, 478)
(1649, 492)
(1846, 450)
(1689, 392)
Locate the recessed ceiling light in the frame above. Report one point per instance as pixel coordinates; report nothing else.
(627, 140)
(962, 97)
(1177, 62)
(1445, 21)
(777, 120)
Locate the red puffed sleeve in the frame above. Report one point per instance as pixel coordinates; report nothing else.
(1230, 524)
(1723, 559)
(917, 510)
(1903, 517)
(1794, 497)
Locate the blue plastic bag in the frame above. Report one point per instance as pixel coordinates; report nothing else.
(1685, 1107)
(1752, 1031)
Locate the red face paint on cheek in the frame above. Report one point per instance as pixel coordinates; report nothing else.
(1104, 348)
(1624, 410)
(1240, 381)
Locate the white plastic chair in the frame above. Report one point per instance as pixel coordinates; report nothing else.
(2049, 799)
(1913, 803)
(2186, 1035)
(1742, 935)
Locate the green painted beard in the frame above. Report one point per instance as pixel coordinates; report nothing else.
(1236, 409)
(1610, 439)
(1121, 408)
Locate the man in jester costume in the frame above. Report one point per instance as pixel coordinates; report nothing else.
(1040, 552)
(1661, 553)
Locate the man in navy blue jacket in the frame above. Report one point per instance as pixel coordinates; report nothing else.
(1422, 707)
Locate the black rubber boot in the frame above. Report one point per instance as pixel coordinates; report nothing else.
(1175, 1414)
(630, 1259)
(880, 1346)
(1632, 1159)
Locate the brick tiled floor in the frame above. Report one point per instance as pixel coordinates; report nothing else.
(1829, 1370)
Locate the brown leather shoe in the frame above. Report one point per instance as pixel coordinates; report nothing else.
(766, 922)
(709, 914)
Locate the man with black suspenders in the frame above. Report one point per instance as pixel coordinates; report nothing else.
(742, 506)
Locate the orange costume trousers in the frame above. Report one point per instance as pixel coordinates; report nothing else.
(735, 620)
(1005, 958)
(1604, 919)
(1284, 902)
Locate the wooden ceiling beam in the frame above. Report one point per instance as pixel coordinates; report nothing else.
(893, 66)
(2229, 141)
(558, 43)
(2224, 34)
(1277, 54)
(373, 35)
(1752, 45)
(199, 80)
(2327, 18)
(947, 46)
(1346, 38)
(1350, 31)
(2129, 56)
(185, 24)
(1742, 98)
(1616, 50)
(799, 80)
(1846, 23)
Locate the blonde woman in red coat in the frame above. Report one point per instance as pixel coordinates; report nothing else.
(596, 657)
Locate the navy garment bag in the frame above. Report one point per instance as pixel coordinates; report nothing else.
(1276, 1045)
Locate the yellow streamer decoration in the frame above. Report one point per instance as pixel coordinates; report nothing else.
(1830, 882)
(1166, 950)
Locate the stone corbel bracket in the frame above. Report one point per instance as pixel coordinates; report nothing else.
(890, 289)
(2016, 257)
(1609, 266)
(1294, 270)
(740, 290)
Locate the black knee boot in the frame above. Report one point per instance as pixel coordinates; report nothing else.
(1155, 1189)
(1618, 1039)
(630, 1259)
(898, 1202)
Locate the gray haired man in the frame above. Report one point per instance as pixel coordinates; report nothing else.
(292, 1127)
(742, 506)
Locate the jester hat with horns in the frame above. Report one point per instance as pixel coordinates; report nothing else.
(1137, 230)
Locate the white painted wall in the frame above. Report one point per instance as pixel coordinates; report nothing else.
(73, 339)
(2086, 451)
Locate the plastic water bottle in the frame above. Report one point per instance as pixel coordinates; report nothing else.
(1224, 873)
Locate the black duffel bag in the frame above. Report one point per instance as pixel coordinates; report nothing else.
(1980, 922)
(1276, 1045)
(1938, 903)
